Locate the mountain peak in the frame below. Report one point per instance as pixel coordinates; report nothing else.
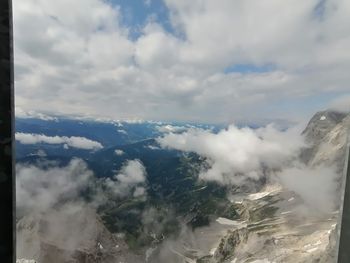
(322, 123)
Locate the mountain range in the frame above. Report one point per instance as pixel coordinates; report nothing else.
(173, 215)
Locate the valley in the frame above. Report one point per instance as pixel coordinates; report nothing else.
(175, 215)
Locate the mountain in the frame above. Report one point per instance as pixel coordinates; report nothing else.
(327, 135)
(173, 192)
(180, 218)
(270, 228)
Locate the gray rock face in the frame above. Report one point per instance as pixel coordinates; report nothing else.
(230, 242)
(326, 134)
(322, 123)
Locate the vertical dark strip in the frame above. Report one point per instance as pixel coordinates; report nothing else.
(7, 190)
(344, 239)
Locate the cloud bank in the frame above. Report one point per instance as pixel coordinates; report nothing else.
(290, 54)
(46, 186)
(237, 153)
(73, 141)
(39, 189)
(171, 128)
(317, 186)
(234, 155)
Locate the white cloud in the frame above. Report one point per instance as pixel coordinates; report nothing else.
(156, 49)
(316, 186)
(130, 179)
(83, 50)
(32, 114)
(73, 141)
(40, 153)
(235, 154)
(122, 131)
(152, 147)
(39, 189)
(171, 128)
(119, 152)
(139, 191)
(287, 33)
(46, 186)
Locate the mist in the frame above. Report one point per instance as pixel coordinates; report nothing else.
(235, 155)
(61, 204)
(317, 186)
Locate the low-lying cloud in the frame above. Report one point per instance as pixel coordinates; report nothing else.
(171, 128)
(236, 152)
(118, 152)
(42, 187)
(130, 179)
(315, 185)
(73, 141)
(39, 189)
(62, 201)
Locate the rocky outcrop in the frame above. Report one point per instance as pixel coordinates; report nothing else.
(230, 242)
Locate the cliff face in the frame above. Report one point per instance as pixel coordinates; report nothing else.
(326, 134)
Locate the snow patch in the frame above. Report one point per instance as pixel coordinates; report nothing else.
(257, 196)
(286, 212)
(225, 221)
(312, 250)
(23, 260)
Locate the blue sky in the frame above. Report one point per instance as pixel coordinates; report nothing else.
(249, 68)
(137, 12)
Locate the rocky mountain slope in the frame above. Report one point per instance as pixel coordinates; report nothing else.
(326, 134)
(272, 225)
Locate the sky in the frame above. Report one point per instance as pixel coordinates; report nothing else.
(218, 61)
